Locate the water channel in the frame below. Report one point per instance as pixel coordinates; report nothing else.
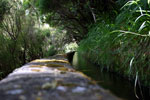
(117, 85)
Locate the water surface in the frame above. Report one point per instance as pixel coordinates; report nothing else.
(117, 85)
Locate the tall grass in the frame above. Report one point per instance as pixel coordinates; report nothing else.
(122, 45)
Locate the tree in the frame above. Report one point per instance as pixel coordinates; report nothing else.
(4, 8)
(21, 39)
(73, 15)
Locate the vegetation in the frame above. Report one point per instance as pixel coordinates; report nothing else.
(122, 45)
(112, 33)
(4, 8)
(73, 15)
(22, 39)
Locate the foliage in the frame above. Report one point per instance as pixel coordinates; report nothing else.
(117, 40)
(21, 39)
(123, 45)
(71, 47)
(4, 8)
(51, 51)
(73, 15)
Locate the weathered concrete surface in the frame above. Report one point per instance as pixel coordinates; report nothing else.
(51, 79)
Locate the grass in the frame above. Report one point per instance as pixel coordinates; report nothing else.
(122, 45)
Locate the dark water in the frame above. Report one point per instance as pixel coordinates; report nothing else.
(109, 81)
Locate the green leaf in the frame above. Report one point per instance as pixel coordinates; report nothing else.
(148, 1)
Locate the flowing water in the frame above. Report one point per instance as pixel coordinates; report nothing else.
(117, 85)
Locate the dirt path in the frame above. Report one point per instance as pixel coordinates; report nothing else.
(51, 79)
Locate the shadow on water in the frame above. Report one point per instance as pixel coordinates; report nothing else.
(117, 85)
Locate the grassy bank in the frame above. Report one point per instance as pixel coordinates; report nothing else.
(122, 44)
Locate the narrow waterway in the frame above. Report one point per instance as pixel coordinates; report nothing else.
(117, 85)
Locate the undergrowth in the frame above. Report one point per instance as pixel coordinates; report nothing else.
(122, 45)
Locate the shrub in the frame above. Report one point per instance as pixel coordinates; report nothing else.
(123, 45)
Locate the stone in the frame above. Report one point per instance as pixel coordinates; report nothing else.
(55, 80)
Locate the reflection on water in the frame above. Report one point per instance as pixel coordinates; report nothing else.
(117, 85)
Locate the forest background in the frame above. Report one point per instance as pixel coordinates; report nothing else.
(112, 33)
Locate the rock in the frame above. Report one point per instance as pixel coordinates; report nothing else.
(49, 85)
(79, 89)
(22, 97)
(14, 92)
(54, 80)
(62, 88)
